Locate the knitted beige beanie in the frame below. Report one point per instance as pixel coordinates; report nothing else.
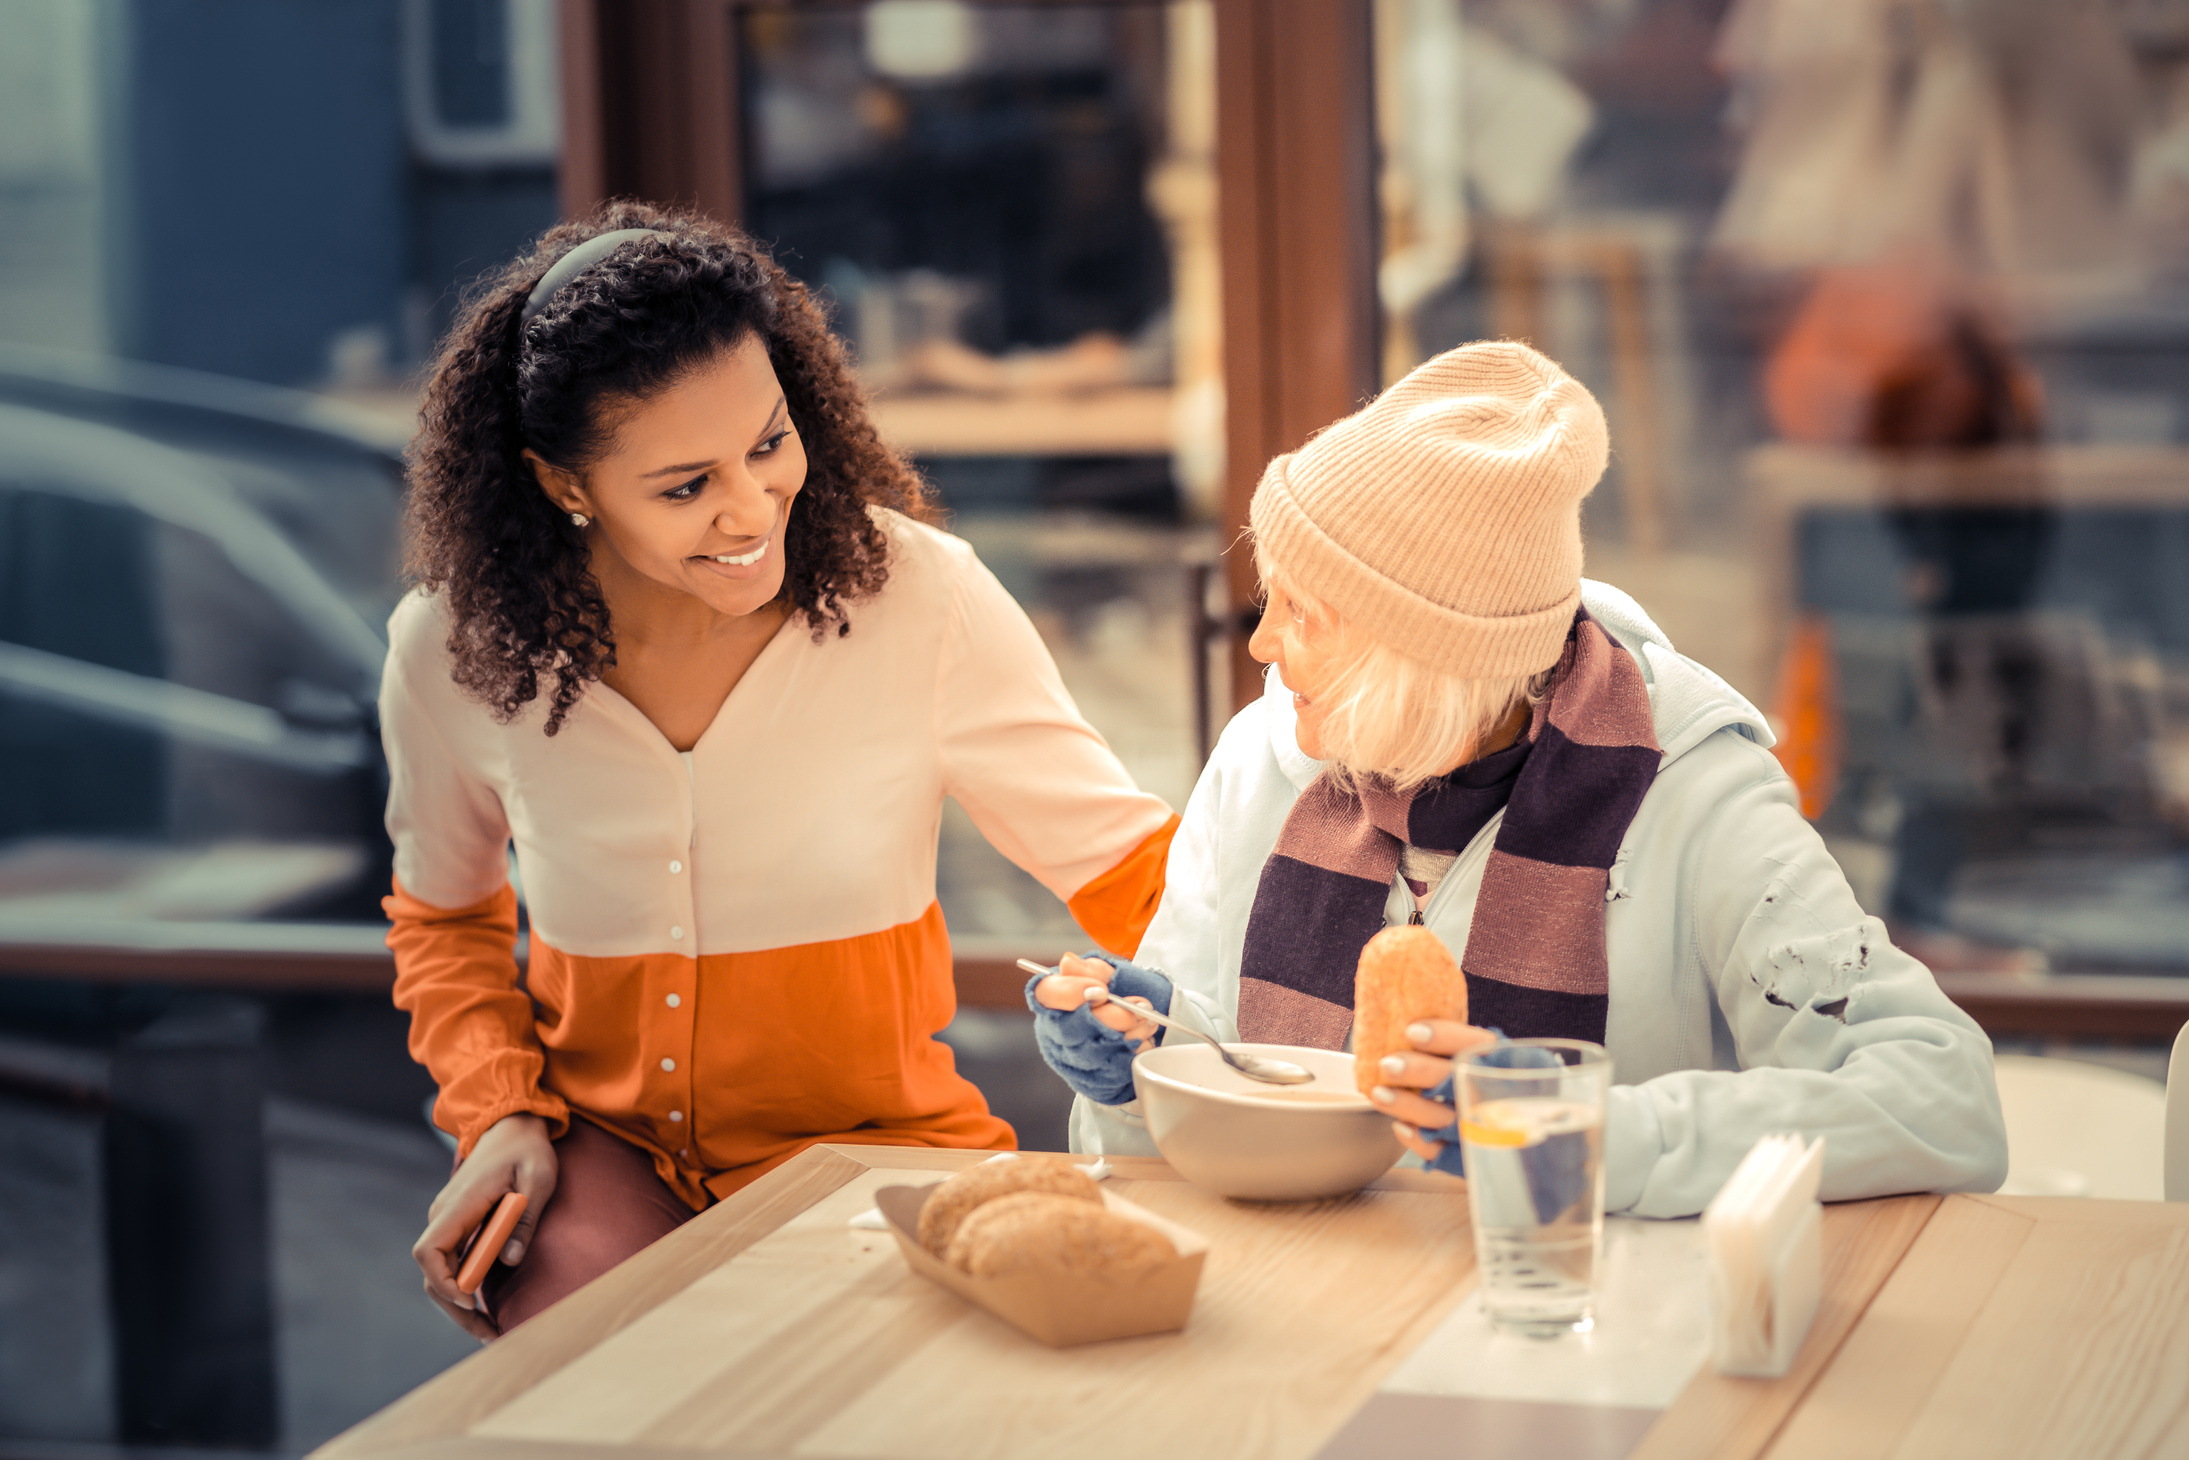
(1444, 517)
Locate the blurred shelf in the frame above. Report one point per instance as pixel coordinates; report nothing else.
(1787, 482)
(1790, 478)
(352, 958)
(319, 958)
(260, 957)
(1129, 421)
(992, 981)
(1133, 421)
(1062, 539)
(2073, 1005)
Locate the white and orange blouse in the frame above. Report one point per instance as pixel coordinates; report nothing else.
(738, 953)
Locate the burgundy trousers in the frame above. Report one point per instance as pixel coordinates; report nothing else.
(608, 1203)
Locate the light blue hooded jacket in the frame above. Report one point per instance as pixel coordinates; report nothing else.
(1749, 992)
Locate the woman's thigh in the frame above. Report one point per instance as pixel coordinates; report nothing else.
(608, 1203)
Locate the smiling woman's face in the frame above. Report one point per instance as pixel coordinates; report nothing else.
(1305, 651)
(696, 486)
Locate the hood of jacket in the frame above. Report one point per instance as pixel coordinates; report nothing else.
(1688, 702)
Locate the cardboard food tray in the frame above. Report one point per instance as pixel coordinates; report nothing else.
(1062, 1309)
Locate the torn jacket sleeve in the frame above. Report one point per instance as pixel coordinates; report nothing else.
(1839, 1034)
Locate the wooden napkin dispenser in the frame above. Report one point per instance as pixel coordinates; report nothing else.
(1062, 1309)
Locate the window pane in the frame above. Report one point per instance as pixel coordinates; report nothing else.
(200, 749)
(1886, 305)
(1011, 209)
(195, 568)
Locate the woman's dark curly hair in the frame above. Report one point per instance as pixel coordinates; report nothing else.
(522, 599)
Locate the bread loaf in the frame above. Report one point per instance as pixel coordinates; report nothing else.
(1405, 975)
(1040, 1232)
(950, 1203)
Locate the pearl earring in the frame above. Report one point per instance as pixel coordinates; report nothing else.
(579, 519)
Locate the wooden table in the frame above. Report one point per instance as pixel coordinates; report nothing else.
(1974, 1326)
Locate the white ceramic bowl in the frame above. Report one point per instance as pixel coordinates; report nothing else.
(1237, 1137)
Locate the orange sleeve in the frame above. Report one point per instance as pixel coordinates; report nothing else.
(470, 1022)
(1117, 906)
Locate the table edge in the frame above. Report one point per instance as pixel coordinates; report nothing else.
(445, 1406)
(1746, 1415)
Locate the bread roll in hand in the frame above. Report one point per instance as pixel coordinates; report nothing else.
(952, 1202)
(1405, 975)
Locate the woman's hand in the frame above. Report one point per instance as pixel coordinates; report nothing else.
(515, 1154)
(1405, 1076)
(1072, 985)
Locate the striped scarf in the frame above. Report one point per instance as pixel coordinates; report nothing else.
(1535, 959)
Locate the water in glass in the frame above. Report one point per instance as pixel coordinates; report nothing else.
(1534, 1141)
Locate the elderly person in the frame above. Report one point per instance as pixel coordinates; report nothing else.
(1461, 732)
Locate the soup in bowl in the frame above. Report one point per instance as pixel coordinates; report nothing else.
(1238, 1137)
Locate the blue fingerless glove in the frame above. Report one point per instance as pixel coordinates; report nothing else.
(1450, 1159)
(1090, 1056)
(1507, 1055)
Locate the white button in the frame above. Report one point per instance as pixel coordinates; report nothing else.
(676, 1115)
(676, 933)
(668, 1064)
(674, 1001)
(676, 866)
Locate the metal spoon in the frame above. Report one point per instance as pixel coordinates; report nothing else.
(1253, 1066)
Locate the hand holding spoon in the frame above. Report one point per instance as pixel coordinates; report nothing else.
(1253, 1066)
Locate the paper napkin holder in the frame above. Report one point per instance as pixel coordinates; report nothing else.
(1796, 1285)
(1758, 1334)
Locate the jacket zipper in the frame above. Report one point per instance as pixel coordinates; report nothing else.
(1485, 838)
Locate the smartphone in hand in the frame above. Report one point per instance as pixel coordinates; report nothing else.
(486, 1243)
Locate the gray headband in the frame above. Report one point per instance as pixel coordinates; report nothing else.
(576, 262)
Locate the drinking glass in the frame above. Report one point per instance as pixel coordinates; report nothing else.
(1531, 1120)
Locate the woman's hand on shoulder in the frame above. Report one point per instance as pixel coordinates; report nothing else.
(515, 1154)
(1070, 986)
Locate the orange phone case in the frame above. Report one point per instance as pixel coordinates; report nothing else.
(486, 1244)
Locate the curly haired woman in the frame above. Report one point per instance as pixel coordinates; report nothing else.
(681, 635)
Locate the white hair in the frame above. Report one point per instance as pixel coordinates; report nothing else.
(1387, 714)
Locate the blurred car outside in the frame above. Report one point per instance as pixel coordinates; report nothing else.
(194, 575)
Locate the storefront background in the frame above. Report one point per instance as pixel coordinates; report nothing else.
(1887, 301)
